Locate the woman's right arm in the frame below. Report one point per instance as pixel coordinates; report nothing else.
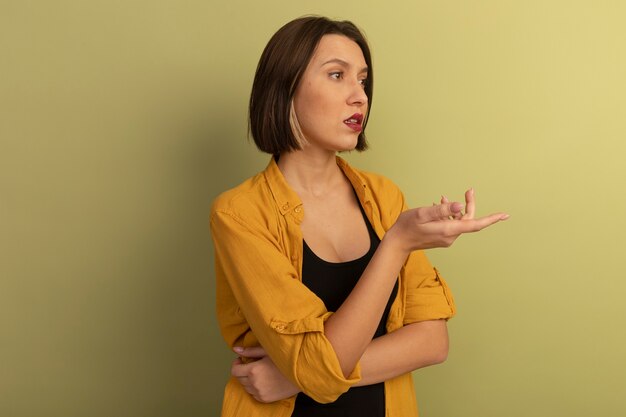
(315, 349)
(351, 328)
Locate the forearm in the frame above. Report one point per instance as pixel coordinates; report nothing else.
(351, 328)
(409, 348)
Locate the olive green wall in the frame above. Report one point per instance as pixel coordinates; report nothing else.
(121, 120)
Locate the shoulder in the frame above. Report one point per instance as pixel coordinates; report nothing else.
(382, 189)
(247, 203)
(238, 196)
(378, 183)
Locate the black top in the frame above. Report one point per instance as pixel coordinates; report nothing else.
(332, 282)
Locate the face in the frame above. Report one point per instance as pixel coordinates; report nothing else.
(330, 101)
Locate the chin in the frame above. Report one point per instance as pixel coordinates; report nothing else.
(347, 145)
(347, 149)
(342, 144)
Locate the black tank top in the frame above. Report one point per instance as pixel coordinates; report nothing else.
(332, 283)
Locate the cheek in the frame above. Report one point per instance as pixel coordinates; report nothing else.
(311, 109)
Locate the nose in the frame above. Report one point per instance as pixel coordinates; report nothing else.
(357, 94)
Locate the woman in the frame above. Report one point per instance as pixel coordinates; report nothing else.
(322, 286)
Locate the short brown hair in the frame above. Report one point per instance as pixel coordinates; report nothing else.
(271, 116)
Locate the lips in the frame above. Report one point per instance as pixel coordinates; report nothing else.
(354, 122)
(355, 118)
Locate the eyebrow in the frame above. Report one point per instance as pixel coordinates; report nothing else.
(343, 63)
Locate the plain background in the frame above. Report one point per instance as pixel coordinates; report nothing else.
(122, 120)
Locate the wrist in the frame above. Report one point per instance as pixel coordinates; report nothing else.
(394, 241)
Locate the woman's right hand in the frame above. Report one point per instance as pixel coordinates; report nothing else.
(262, 379)
(440, 225)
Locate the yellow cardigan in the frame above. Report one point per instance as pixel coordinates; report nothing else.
(261, 298)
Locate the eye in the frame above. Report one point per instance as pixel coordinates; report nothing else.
(336, 75)
(363, 82)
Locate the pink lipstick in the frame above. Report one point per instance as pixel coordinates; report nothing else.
(354, 122)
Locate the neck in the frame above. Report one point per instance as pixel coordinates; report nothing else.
(310, 174)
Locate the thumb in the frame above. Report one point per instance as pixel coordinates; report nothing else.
(250, 352)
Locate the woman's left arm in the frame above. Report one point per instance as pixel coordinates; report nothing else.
(411, 347)
(414, 346)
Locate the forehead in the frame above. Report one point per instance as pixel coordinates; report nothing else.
(338, 47)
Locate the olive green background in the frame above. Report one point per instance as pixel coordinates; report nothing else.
(122, 120)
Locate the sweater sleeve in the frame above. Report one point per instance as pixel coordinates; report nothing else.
(428, 296)
(284, 315)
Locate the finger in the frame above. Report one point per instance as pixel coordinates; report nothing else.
(438, 212)
(239, 369)
(248, 386)
(251, 352)
(470, 204)
(445, 200)
(459, 215)
(475, 225)
(245, 383)
(250, 389)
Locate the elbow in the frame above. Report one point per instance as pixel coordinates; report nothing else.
(440, 344)
(324, 395)
(440, 355)
(325, 387)
(322, 378)
(324, 398)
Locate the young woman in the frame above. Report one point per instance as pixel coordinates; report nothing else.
(323, 289)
